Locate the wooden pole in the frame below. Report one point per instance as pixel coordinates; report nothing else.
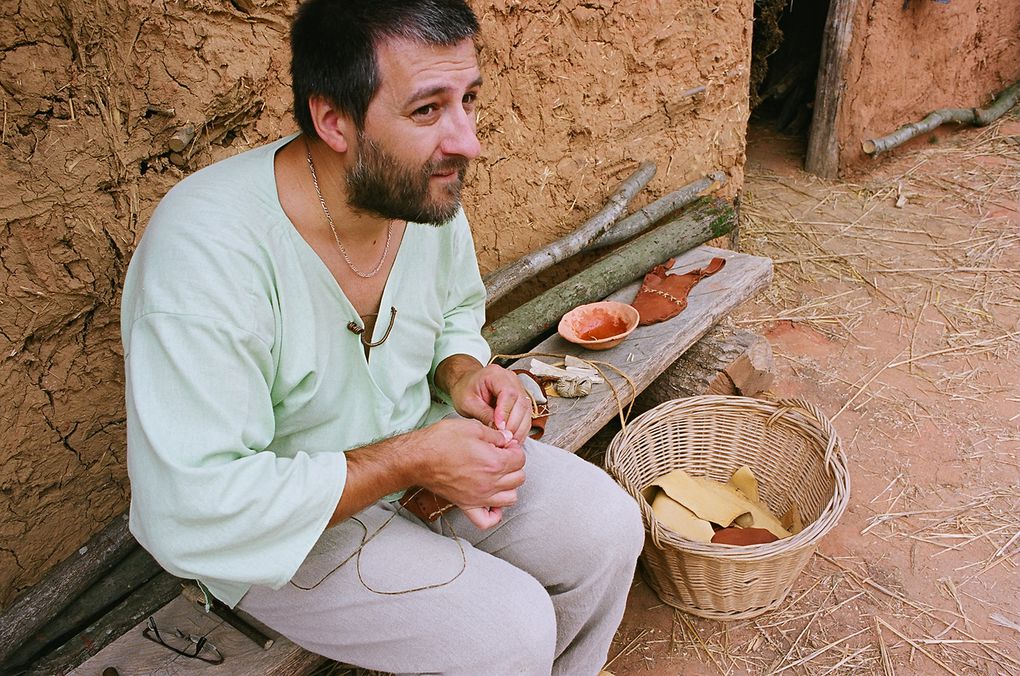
(706, 219)
(649, 215)
(182, 138)
(132, 572)
(979, 117)
(507, 278)
(64, 583)
(823, 143)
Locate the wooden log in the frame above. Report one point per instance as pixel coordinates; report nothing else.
(507, 278)
(155, 593)
(182, 138)
(131, 573)
(823, 144)
(706, 219)
(64, 582)
(978, 117)
(649, 215)
(725, 361)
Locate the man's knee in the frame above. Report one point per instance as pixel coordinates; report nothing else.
(620, 529)
(521, 635)
(602, 525)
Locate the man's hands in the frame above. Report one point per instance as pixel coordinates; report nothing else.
(491, 394)
(471, 465)
(476, 464)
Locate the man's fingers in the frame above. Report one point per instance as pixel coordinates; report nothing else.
(519, 421)
(510, 481)
(505, 403)
(483, 517)
(503, 499)
(493, 436)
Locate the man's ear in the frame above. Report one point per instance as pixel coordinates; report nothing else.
(335, 128)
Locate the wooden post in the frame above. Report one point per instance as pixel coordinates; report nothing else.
(823, 147)
(507, 278)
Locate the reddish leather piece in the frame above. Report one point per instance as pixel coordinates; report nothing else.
(743, 536)
(423, 503)
(663, 296)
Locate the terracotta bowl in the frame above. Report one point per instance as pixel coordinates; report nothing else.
(599, 326)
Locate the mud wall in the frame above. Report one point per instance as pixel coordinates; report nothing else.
(906, 62)
(576, 95)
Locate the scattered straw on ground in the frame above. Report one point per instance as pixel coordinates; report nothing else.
(926, 246)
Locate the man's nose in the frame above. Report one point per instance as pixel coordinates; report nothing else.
(460, 137)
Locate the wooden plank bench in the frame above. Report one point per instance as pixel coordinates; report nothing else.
(643, 356)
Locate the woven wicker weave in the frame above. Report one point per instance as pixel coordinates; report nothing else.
(796, 456)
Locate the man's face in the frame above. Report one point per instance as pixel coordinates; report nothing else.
(410, 159)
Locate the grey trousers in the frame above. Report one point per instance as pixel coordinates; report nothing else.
(543, 592)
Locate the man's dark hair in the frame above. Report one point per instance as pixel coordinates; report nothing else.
(333, 45)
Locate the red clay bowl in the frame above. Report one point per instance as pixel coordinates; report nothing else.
(599, 326)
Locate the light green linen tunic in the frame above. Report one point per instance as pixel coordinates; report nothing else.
(244, 386)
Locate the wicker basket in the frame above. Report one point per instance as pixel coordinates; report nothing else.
(796, 456)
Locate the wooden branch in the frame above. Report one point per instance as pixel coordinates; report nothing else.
(64, 583)
(507, 278)
(649, 215)
(133, 571)
(705, 219)
(978, 117)
(823, 143)
(154, 594)
(182, 138)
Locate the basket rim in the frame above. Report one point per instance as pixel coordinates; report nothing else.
(802, 414)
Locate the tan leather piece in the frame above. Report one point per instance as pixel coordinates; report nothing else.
(663, 296)
(715, 502)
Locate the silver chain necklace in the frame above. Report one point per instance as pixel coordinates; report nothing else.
(329, 219)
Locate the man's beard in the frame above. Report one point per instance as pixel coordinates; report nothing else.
(380, 184)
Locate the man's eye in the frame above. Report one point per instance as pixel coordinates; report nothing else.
(425, 111)
(470, 98)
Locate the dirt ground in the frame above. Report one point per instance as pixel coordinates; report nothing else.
(896, 309)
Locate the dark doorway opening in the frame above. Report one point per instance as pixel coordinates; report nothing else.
(785, 52)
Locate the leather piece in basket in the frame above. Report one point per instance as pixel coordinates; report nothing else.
(663, 296)
(743, 536)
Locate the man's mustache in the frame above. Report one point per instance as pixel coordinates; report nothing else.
(458, 164)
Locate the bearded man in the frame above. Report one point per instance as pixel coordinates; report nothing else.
(287, 318)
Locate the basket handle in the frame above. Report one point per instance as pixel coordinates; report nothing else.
(816, 415)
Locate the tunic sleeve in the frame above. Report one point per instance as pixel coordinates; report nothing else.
(209, 499)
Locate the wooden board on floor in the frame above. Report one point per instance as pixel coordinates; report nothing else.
(133, 655)
(650, 349)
